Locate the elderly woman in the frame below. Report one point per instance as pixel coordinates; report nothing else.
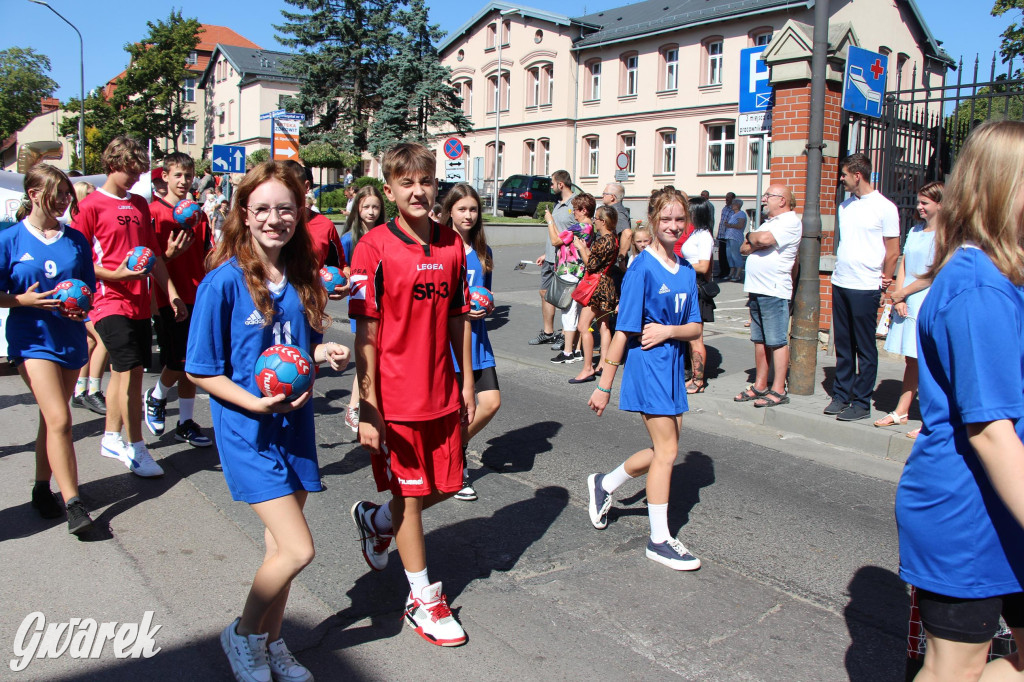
(734, 239)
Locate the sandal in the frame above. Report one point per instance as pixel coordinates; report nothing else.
(692, 387)
(893, 419)
(750, 393)
(767, 401)
(914, 434)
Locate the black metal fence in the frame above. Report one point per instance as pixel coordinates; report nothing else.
(922, 128)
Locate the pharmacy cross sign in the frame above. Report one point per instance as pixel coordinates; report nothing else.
(877, 69)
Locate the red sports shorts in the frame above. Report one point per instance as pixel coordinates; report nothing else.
(421, 457)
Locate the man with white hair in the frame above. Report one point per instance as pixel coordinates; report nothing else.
(612, 197)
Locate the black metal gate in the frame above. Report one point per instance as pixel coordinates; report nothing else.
(922, 129)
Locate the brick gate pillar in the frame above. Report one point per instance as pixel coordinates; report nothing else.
(789, 59)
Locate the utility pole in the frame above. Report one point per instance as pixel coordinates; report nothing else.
(807, 304)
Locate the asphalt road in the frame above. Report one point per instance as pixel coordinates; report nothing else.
(798, 544)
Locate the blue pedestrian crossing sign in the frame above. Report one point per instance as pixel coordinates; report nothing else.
(228, 159)
(756, 93)
(864, 82)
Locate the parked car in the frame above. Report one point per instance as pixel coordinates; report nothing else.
(443, 187)
(520, 194)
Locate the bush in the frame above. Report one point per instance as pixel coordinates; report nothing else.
(543, 206)
(333, 199)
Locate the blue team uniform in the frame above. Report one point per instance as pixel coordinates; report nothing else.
(263, 456)
(654, 381)
(483, 356)
(957, 538)
(25, 258)
(346, 246)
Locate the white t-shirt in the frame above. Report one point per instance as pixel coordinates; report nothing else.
(698, 247)
(770, 271)
(864, 222)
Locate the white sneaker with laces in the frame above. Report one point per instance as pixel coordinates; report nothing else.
(352, 418)
(283, 665)
(468, 493)
(113, 446)
(247, 654)
(431, 618)
(373, 543)
(141, 463)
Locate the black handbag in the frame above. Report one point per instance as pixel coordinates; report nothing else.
(708, 290)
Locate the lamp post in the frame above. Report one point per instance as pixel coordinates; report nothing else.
(81, 63)
(497, 108)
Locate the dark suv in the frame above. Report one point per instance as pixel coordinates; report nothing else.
(520, 194)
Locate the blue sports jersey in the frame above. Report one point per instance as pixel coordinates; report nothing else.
(483, 356)
(346, 246)
(957, 538)
(654, 380)
(263, 456)
(26, 258)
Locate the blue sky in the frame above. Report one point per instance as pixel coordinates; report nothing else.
(965, 27)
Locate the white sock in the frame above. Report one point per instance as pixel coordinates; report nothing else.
(111, 434)
(382, 520)
(418, 582)
(80, 387)
(94, 385)
(658, 516)
(139, 446)
(160, 391)
(186, 407)
(613, 480)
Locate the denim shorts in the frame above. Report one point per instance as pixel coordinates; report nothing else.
(769, 320)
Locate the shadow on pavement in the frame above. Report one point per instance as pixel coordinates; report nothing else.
(498, 318)
(696, 471)
(876, 617)
(457, 555)
(515, 451)
(355, 459)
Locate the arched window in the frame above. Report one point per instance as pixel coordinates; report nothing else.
(593, 84)
(668, 79)
(712, 57)
(591, 156)
(627, 145)
(665, 143)
(629, 79)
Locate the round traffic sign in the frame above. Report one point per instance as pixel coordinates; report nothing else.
(452, 148)
(622, 160)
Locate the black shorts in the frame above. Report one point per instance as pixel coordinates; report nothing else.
(173, 338)
(485, 379)
(973, 621)
(129, 342)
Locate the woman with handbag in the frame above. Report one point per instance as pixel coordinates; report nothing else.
(569, 271)
(911, 288)
(698, 250)
(598, 293)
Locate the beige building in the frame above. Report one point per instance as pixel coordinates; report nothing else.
(43, 128)
(656, 80)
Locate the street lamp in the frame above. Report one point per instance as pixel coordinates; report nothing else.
(497, 108)
(81, 62)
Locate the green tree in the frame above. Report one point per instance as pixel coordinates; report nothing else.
(420, 92)
(150, 98)
(341, 48)
(101, 126)
(23, 82)
(256, 158)
(1013, 36)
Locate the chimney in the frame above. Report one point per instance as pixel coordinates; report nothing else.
(48, 104)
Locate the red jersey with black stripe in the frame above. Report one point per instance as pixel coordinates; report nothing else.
(326, 242)
(114, 226)
(412, 289)
(188, 269)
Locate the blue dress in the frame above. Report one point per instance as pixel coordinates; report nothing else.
(957, 538)
(918, 253)
(483, 355)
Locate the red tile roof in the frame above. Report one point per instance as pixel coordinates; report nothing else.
(212, 35)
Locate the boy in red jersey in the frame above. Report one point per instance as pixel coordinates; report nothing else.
(115, 222)
(322, 230)
(409, 283)
(185, 257)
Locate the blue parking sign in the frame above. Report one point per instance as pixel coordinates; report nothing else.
(864, 82)
(756, 93)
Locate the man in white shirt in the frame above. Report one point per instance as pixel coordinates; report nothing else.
(869, 243)
(771, 253)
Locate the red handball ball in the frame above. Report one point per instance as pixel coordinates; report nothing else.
(141, 259)
(284, 370)
(481, 299)
(332, 278)
(186, 214)
(73, 295)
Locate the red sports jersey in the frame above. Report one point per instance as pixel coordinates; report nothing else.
(188, 269)
(326, 242)
(115, 226)
(412, 290)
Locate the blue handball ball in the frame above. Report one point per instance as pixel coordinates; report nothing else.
(186, 214)
(141, 259)
(284, 370)
(74, 295)
(481, 299)
(332, 278)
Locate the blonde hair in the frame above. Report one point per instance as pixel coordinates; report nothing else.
(84, 189)
(978, 204)
(642, 229)
(664, 198)
(47, 180)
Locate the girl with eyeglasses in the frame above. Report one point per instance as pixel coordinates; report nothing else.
(263, 288)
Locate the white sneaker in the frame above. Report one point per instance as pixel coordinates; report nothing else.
(247, 654)
(113, 446)
(468, 493)
(373, 543)
(141, 463)
(352, 418)
(431, 618)
(283, 665)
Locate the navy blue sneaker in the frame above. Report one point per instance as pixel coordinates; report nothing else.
(156, 413)
(600, 501)
(673, 554)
